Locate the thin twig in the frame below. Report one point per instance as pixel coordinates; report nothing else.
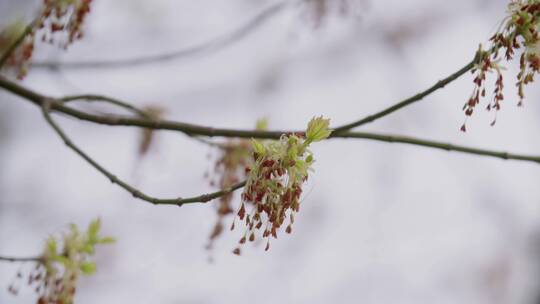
(124, 105)
(439, 85)
(7, 54)
(115, 180)
(440, 146)
(20, 259)
(101, 98)
(211, 46)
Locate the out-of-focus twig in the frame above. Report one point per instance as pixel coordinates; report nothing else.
(408, 101)
(210, 46)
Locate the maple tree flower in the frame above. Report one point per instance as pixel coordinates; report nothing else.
(59, 22)
(275, 179)
(62, 262)
(518, 31)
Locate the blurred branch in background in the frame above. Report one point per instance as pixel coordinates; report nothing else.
(211, 46)
(317, 9)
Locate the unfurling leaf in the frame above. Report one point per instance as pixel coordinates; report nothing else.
(318, 129)
(258, 147)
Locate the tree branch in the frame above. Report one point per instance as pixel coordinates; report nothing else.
(210, 46)
(115, 180)
(191, 129)
(440, 145)
(406, 102)
(101, 98)
(196, 130)
(139, 112)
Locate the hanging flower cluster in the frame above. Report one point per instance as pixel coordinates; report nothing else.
(63, 18)
(519, 31)
(274, 185)
(59, 22)
(230, 169)
(55, 277)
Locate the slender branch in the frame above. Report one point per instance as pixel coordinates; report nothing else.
(20, 259)
(210, 46)
(406, 102)
(115, 180)
(190, 129)
(440, 146)
(122, 104)
(27, 30)
(101, 98)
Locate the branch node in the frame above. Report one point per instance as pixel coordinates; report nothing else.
(441, 83)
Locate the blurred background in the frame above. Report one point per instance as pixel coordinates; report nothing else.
(380, 223)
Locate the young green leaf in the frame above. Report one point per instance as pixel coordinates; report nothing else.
(258, 147)
(317, 129)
